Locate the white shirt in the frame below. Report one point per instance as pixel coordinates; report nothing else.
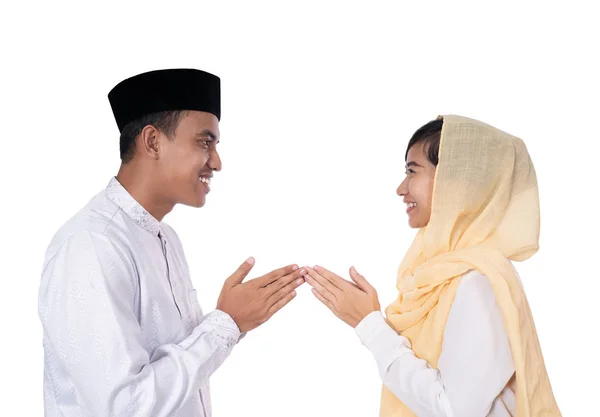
(475, 370)
(124, 334)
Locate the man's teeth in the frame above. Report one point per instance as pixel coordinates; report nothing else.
(411, 204)
(205, 180)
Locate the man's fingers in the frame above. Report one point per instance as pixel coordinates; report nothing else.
(283, 291)
(238, 276)
(285, 280)
(274, 275)
(281, 303)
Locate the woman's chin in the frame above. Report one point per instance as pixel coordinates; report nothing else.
(416, 223)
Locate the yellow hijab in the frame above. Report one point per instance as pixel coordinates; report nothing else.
(485, 213)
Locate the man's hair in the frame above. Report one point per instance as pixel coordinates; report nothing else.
(165, 121)
(429, 135)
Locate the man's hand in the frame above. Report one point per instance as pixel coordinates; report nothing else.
(252, 303)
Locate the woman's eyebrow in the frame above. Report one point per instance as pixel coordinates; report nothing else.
(413, 163)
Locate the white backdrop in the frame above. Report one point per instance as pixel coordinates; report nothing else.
(319, 101)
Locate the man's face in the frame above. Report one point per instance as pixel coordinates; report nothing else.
(188, 160)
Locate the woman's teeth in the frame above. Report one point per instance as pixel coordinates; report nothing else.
(410, 205)
(205, 180)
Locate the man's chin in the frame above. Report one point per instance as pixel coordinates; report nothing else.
(196, 203)
(199, 204)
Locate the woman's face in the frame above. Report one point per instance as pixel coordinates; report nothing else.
(417, 187)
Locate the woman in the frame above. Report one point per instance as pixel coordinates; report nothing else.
(460, 339)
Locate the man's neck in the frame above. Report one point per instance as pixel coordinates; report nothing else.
(143, 189)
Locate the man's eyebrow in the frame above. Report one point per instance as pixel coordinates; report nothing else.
(209, 133)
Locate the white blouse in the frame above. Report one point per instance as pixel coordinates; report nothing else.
(475, 374)
(124, 334)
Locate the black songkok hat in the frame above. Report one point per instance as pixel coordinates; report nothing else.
(165, 90)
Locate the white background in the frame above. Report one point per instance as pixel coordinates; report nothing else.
(319, 101)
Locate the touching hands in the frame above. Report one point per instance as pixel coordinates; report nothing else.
(252, 303)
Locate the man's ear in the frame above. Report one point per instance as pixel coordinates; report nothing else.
(148, 142)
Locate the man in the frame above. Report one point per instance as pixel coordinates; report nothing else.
(123, 332)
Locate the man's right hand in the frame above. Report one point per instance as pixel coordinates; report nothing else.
(252, 303)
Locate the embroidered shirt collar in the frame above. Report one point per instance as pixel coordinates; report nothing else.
(119, 195)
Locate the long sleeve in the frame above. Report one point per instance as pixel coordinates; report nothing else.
(92, 332)
(473, 369)
(411, 379)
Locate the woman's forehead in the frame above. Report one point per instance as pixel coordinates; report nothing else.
(416, 153)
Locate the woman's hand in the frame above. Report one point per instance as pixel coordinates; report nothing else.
(351, 302)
